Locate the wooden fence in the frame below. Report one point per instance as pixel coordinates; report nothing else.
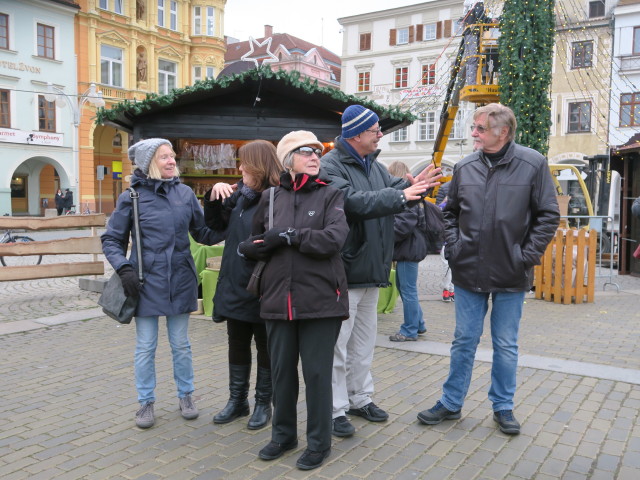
(568, 268)
(68, 246)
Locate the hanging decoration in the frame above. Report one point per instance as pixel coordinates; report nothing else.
(247, 56)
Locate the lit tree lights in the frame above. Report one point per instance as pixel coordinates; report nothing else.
(526, 54)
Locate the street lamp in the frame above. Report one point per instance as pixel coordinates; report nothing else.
(91, 95)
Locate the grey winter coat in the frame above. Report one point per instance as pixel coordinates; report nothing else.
(370, 201)
(169, 211)
(499, 220)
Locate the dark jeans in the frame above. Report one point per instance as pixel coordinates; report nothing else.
(240, 334)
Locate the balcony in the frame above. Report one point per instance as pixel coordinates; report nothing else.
(630, 63)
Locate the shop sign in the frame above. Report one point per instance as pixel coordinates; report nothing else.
(418, 92)
(21, 67)
(11, 135)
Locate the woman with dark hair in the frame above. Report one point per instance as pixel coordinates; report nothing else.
(230, 209)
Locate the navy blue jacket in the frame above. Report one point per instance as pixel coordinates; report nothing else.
(169, 211)
(410, 235)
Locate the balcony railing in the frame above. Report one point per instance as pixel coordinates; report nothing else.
(630, 63)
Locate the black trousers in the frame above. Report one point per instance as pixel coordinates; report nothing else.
(240, 334)
(313, 342)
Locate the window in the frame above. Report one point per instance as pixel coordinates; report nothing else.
(197, 20)
(630, 110)
(209, 72)
(45, 41)
(46, 115)
(365, 41)
(208, 28)
(596, 9)
(4, 31)
(117, 5)
(400, 135)
(430, 30)
(579, 117)
(111, 65)
(636, 41)
(402, 36)
(173, 21)
(364, 81)
(402, 77)
(197, 73)
(457, 131)
(582, 54)
(428, 74)
(161, 13)
(5, 110)
(427, 126)
(167, 77)
(210, 21)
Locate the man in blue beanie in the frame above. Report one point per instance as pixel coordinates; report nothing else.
(372, 196)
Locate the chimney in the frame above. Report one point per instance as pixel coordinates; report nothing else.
(268, 31)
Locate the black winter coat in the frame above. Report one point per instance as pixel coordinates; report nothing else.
(233, 217)
(169, 211)
(410, 235)
(307, 279)
(499, 220)
(370, 201)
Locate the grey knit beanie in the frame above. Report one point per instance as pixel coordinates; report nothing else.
(142, 152)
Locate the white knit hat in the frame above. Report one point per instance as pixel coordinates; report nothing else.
(142, 152)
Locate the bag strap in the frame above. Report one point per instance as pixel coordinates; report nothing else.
(271, 195)
(136, 225)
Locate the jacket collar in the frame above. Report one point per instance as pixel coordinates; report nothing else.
(348, 157)
(302, 182)
(138, 178)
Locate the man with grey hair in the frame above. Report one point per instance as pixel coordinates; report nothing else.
(500, 215)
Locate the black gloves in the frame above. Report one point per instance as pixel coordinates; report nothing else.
(255, 251)
(278, 237)
(130, 281)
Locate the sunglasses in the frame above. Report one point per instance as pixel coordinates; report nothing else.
(308, 151)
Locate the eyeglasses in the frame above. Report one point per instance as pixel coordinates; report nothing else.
(375, 131)
(479, 128)
(308, 151)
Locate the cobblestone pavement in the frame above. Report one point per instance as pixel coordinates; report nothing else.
(68, 400)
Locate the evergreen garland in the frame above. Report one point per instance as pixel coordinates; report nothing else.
(526, 49)
(132, 108)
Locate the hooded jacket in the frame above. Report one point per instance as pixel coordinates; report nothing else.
(499, 220)
(305, 280)
(370, 201)
(169, 211)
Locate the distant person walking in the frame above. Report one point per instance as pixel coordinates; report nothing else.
(501, 213)
(59, 199)
(68, 201)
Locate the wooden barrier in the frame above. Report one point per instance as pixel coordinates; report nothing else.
(568, 268)
(78, 245)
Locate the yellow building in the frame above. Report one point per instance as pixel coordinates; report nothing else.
(130, 48)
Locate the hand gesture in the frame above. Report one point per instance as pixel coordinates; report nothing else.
(414, 191)
(429, 175)
(222, 190)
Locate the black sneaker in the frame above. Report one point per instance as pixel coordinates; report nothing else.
(422, 332)
(370, 412)
(310, 459)
(507, 422)
(437, 414)
(275, 450)
(342, 427)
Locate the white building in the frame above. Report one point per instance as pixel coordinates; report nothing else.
(403, 57)
(36, 47)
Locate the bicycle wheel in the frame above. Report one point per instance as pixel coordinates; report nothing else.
(23, 260)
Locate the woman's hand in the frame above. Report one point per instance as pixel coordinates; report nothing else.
(222, 190)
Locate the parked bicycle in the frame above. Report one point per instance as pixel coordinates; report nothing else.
(10, 261)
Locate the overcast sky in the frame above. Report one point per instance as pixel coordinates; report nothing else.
(312, 20)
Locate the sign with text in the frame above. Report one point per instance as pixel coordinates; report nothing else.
(12, 135)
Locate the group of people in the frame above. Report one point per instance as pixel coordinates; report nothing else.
(64, 201)
(324, 225)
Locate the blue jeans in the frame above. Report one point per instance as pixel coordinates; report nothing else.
(145, 355)
(471, 308)
(407, 282)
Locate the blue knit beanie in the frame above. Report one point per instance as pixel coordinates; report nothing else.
(356, 119)
(142, 152)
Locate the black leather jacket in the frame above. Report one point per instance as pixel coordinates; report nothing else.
(499, 220)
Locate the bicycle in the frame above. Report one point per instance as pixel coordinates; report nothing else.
(9, 237)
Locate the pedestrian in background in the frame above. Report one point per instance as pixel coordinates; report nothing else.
(169, 211)
(448, 289)
(501, 213)
(68, 201)
(229, 209)
(304, 297)
(371, 197)
(409, 249)
(59, 199)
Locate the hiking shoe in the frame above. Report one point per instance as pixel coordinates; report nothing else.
(310, 459)
(371, 412)
(398, 337)
(342, 427)
(507, 422)
(446, 296)
(275, 450)
(144, 416)
(437, 414)
(188, 409)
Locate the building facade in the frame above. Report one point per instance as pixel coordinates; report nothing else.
(403, 56)
(36, 137)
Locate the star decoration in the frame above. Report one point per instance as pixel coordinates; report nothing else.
(267, 42)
